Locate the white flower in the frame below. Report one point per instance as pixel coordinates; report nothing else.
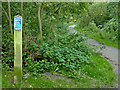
(30, 85)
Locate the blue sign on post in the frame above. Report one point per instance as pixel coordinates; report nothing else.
(17, 23)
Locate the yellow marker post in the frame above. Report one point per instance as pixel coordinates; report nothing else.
(17, 49)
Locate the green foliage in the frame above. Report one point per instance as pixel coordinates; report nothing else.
(84, 20)
(52, 14)
(107, 33)
(101, 20)
(111, 27)
(67, 53)
(110, 30)
(97, 74)
(61, 28)
(36, 54)
(113, 9)
(91, 27)
(7, 61)
(101, 71)
(98, 13)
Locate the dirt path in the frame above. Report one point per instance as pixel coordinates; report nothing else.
(109, 53)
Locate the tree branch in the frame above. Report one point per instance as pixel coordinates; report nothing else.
(10, 17)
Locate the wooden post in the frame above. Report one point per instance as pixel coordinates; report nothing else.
(17, 49)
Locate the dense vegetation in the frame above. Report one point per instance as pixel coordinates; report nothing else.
(49, 47)
(41, 42)
(98, 74)
(101, 19)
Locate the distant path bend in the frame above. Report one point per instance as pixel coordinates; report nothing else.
(109, 53)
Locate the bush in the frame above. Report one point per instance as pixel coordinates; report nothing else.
(113, 9)
(111, 27)
(98, 13)
(91, 27)
(68, 53)
(84, 20)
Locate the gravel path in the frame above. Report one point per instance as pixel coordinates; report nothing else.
(109, 53)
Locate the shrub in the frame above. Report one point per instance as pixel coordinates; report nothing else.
(111, 27)
(98, 13)
(68, 53)
(91, 27)
(84, 20)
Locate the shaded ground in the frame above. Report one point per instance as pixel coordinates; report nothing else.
(55, 76)
(109, 53)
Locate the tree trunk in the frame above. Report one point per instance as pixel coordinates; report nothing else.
(22, 11)
(22, 8)
(10, 17)
(53, 28)
(5, 13)
(24, 36)
(39, 21)
(49, 37)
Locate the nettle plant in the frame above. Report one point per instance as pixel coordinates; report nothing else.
(68, 53)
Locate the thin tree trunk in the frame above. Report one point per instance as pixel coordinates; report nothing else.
(22, 11)
(53, 28)
(10, 17)
(5, 13)
(53, 24)
(49, 33)
(24, 36)
(22, 8)
(39, 21)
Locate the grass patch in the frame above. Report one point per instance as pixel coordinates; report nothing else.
(41, 81)
(98, 73)
(97, 37)
(101, 69)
